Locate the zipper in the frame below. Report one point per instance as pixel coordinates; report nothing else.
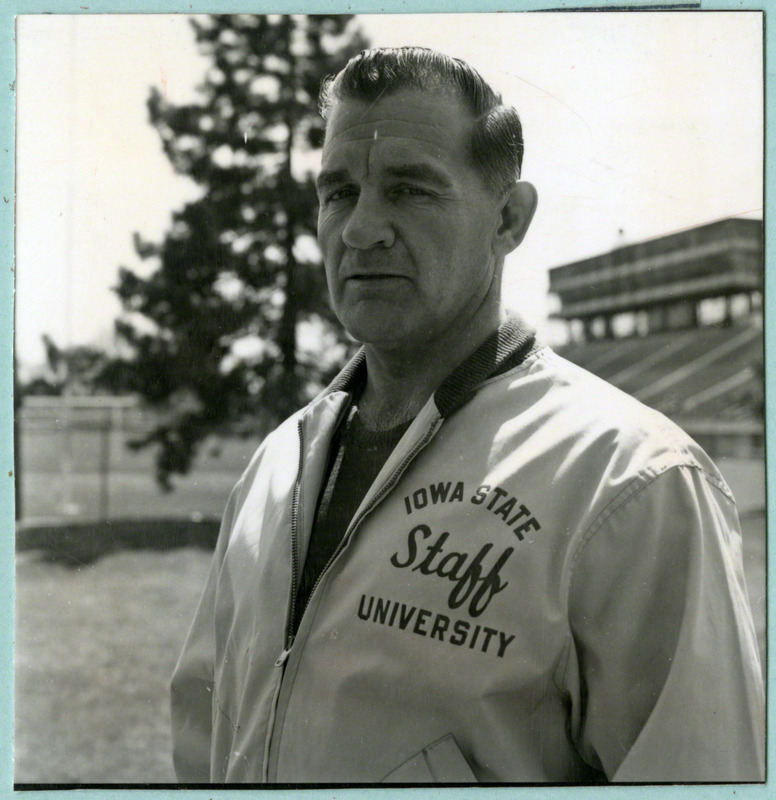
(282, 658)
(284, 653)
(273, 709)
(290, 638)
(295, 541)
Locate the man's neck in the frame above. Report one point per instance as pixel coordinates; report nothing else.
(400, 380)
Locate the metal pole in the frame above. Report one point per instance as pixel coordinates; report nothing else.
(69, 507)
(105, 431)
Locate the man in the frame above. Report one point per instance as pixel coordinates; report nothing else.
(467, 559)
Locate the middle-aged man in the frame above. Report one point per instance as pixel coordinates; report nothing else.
(467, 559)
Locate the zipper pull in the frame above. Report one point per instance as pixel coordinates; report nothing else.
(284, 654)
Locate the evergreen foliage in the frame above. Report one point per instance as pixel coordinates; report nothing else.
(214, 331)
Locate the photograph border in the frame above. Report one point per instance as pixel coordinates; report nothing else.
(8, 13)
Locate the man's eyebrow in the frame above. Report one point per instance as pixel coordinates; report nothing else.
(417, 172)
(331, 177)
(420, 172)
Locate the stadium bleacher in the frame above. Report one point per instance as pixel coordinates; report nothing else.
(711, 371)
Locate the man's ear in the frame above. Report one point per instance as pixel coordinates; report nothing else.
(516, 214)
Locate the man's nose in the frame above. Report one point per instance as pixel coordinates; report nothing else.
(368, 225)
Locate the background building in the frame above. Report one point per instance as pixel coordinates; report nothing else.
(676, 322)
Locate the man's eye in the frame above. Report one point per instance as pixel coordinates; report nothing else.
(340, 194)
(413, 191)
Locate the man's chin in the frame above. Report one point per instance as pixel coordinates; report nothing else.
(379, 331)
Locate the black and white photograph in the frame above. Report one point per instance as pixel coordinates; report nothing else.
(389, 399)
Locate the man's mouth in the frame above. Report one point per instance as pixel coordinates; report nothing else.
(374, 276)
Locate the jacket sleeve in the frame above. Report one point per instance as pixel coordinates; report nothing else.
(192, 681)
(664, 668)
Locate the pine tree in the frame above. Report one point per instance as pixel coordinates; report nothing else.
(239, 274)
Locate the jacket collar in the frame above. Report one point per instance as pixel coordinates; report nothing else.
(506, 348)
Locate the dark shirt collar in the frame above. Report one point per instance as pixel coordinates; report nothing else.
(504, 349)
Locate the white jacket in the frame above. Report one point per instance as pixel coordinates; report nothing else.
(543, 584)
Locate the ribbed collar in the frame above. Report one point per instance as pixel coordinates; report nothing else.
(507, 347)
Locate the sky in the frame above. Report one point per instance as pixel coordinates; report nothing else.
(636, 125)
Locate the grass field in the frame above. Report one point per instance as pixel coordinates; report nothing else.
(95, 649)
(96, 645)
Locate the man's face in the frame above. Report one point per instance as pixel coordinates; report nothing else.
(406, 223)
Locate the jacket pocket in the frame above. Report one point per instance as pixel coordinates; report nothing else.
(439, 762)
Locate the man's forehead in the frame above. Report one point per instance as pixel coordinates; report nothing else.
(409, 114)
(384, 146)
